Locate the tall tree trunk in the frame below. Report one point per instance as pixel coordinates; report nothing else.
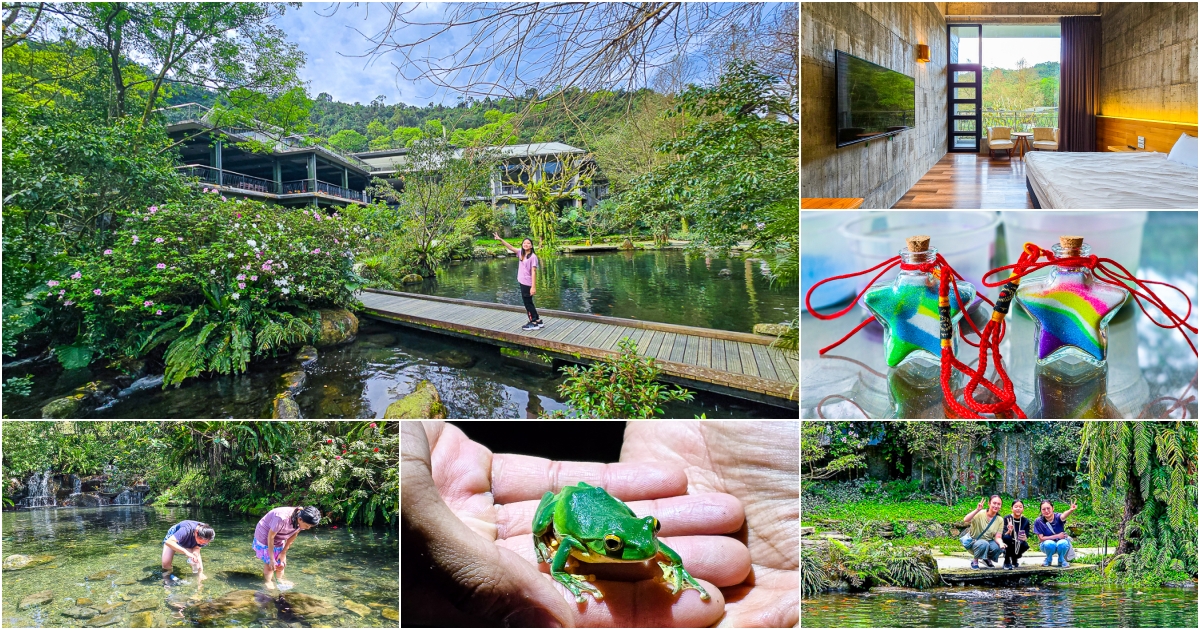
(1133, 505)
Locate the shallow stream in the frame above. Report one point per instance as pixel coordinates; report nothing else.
(111, 558)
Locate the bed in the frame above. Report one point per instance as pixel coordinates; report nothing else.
(1109, 181)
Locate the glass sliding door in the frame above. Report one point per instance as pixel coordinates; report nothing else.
(964, 72)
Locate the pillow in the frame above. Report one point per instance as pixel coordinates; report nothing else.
(1184, 150)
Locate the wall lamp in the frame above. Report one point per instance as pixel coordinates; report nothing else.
(922, 52)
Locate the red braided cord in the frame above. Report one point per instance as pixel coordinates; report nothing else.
(1099, 266)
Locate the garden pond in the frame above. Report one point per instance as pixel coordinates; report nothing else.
(1049, 606)
(672, 286)
(358, 380)
(93, 567)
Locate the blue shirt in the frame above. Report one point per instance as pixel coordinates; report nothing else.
(185, 534)
(1049, 529)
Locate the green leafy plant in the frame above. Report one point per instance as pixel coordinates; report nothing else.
(623, 387)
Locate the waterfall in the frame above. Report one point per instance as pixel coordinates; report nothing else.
(128, 497)
(39, 492)
(76, 485)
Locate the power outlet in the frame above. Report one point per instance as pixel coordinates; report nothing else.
(1141, 142)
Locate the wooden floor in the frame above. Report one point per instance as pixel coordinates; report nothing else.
(732, 363)
(970, 180)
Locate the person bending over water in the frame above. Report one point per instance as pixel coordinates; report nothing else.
(274, 536)
(187, 538)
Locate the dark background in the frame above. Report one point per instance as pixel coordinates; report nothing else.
(567, 440)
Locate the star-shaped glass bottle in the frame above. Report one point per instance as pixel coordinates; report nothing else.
(1070, 308)
(907, 308)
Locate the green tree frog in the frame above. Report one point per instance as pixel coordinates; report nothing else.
(588, 523)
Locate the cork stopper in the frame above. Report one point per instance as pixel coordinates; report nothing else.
(919, 243)
(1070, 242)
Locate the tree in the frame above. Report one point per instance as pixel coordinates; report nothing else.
(738, 160)
(551, 179)
(821, 440)
(221, 46)
(348, 140)
(948, 445)
(1154, 465)
(430, 216)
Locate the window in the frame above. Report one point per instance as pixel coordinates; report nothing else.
(1021, 75)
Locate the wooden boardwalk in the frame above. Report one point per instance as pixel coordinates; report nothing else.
(732, 363)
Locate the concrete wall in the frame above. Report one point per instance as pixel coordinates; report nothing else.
(887, 34)
(1148, 63)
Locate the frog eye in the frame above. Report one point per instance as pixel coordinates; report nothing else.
(613, 542)
(657, 525)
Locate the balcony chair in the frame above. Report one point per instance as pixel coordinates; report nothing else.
(1045, 138)
(1000, 138)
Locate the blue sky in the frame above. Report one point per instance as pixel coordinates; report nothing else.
(334, 54)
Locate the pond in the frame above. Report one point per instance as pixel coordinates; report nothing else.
(344, 577)
(358, 380)
(1050, 606)
(671, 286)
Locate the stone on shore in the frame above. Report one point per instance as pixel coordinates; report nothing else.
(412, 278)
(773, 330)
(423, 403)
(338, 326)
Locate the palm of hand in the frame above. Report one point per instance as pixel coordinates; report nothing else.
(758, 464)
(497, 495)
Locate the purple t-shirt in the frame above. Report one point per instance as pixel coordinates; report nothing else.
(1049, 529)
(280, 520)
(525, 270)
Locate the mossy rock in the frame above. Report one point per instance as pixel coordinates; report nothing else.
(285, 407)
(412, 278)
(307, 356)
(423, 403)
(65, 407)
(19, 561)
(294, 381)
(773, 330)
(338, 326)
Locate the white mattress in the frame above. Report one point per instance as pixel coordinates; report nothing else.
(1110, 180)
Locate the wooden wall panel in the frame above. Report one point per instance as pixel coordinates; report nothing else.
(1160, 136)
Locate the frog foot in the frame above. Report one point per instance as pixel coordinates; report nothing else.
(679, 579)
(578, 584)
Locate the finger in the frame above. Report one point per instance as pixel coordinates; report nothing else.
(721, 560)
(688, 515)
(524, 478)
(647, 604)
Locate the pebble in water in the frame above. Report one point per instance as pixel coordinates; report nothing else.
(79, 612)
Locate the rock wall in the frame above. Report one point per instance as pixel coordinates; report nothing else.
(887, 34)
(1020, 478)
(1148, 60)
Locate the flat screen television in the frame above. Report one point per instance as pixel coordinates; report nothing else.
(872, 101)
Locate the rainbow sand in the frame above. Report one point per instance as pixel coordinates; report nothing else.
(907, 308)
(1071, 308)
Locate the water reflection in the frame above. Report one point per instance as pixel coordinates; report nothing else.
(730, 293)
(1049, 606)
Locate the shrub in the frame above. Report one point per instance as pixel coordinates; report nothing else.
(214, 282)
(901, 489)
(624, 387)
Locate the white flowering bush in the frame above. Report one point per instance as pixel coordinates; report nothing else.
(212, 281)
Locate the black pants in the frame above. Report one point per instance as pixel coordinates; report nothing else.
(1014, 550)
(528, 300)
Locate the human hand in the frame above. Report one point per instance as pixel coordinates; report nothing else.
(468, 545)
(1072, 506)
(757, 462)
(1010, 527)
(982, 504)
(532, 290)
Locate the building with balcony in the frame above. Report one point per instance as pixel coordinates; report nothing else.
(508, 179)
(292, 172)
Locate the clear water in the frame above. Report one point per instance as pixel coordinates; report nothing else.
(670, 286)
(359, 565)
(1048, 606)
(360, 380)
